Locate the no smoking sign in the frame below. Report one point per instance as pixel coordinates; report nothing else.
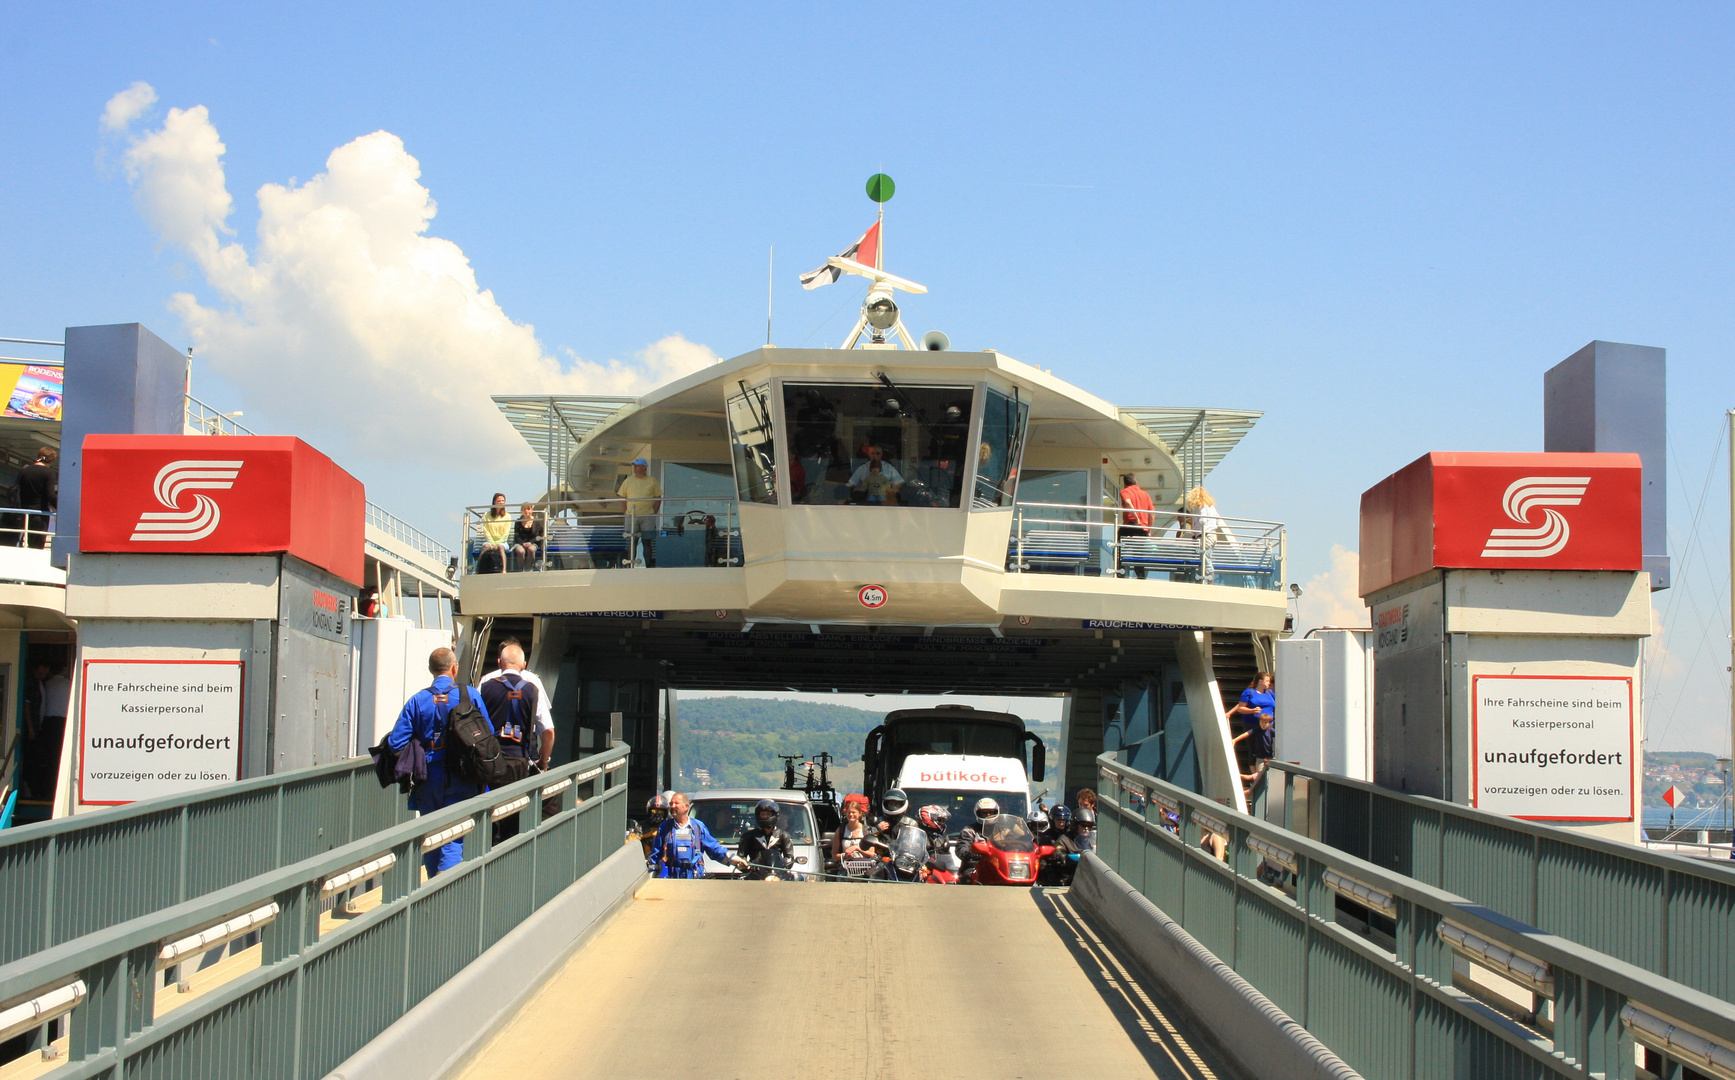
(872, 596)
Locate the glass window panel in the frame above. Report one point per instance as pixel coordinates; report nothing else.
(1003, 422)
(702, 486)
(877, 445)
(755, 445)
(1068, 488)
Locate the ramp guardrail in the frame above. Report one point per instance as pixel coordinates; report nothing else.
(321, 988)
(1398, 977)
(66, 878)
(1666, 913)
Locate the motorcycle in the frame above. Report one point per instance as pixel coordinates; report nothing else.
(1006, 852)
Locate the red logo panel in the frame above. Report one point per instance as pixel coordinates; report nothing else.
(203, 494)
(1503, 512)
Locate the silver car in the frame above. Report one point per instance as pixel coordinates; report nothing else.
(727, 813)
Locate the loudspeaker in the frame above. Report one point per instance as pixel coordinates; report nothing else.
(934, 341)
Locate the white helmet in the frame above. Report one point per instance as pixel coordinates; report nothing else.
(987, 810)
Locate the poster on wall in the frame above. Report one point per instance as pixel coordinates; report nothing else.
(157, 727)
(1553, 747)
(33, 392)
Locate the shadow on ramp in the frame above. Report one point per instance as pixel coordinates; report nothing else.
(1152, 1022)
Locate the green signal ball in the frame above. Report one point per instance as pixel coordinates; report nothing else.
(880, 187)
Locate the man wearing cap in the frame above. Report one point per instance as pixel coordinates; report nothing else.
(643, 502)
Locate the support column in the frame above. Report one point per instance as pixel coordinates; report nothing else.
(1080, 742)
(1211, 740)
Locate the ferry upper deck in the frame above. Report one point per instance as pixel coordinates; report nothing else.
(882, 488)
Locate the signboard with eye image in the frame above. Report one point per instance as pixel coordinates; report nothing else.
(33, 392)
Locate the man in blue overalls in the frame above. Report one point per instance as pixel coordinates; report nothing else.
(683, 842)
(424, 718)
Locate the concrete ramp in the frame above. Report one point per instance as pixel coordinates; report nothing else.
(808, 981)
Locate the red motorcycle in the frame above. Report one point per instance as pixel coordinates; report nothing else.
(1006, 852)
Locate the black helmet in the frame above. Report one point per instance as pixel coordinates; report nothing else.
(1061, 818)
(1085, 818)
(767, 813)
(987, 810)
(894, 802)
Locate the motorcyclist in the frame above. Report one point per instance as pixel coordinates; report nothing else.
(1057, 868)
(986, 811)
(769, 847)
(1084, 829)
(893, 804)
(942, 849)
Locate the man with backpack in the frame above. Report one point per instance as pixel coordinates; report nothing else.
(516, 708)
(425, 718)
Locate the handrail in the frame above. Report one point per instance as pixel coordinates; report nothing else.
(605, 532)
(72, 876)
(1232, 551)
(399, 529)
(207, 419)
(346, 982)
(1391, 1002)
(1564, 881)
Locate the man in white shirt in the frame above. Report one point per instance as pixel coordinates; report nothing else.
(884, 475)
(512, 659)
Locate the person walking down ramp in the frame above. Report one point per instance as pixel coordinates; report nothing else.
(424, 719)
(683, 842)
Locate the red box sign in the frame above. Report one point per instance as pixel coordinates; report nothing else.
(1502, 512)
(233, 495)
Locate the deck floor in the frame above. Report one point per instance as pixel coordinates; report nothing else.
(807, 981)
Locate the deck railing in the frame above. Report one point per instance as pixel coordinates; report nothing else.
(1666, 913)
(408, 535)
(1400, 978)
(1068, 538)
(586, 534)
(315, 988)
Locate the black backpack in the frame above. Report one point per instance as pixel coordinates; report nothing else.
(472, 751)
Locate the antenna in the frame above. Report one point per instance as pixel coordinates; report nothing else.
(879, 312)
(770, 277)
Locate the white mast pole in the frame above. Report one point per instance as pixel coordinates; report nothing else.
(1729, 777)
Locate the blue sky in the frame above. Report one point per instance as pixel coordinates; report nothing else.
(1378, 224)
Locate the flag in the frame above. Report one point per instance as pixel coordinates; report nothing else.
(865, 251)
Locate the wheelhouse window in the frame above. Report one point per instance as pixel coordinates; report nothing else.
(752, 435)
(1002, 447)
(878, 444)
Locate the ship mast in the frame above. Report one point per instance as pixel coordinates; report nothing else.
(879, 311)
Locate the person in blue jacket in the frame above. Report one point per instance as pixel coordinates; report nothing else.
(424, 719)
(683, 842)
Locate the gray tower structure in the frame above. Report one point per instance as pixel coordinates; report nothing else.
(1609, 398)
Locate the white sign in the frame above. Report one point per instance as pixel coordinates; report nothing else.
(157, 727)
(1552, 747)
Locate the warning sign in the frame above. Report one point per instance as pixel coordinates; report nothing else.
(1553, 747)
(157, 727)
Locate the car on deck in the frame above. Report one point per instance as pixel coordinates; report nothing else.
(729, 812)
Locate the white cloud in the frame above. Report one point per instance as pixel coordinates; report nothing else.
(128, 105)
(347, 322)
(1330, 599)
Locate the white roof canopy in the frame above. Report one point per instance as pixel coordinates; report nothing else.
(1199, 439)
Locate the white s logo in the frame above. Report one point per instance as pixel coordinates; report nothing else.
(1542, 540)
(192, 524)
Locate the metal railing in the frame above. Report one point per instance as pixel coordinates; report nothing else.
(1398, 977)
(1668, 914)
(590, 534)
(21, 527)
(73, 876)
(405, 533)
(1068, 538)
(321, 989)
(205, 418)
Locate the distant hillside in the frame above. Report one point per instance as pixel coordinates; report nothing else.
(737, 741)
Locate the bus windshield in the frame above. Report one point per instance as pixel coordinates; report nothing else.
(961, 804)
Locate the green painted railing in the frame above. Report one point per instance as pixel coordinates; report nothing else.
(69, 877)
(1365, 958)
(1669, 914)
(316, 998)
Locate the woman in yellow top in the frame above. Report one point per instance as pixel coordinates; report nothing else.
(496, 529)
